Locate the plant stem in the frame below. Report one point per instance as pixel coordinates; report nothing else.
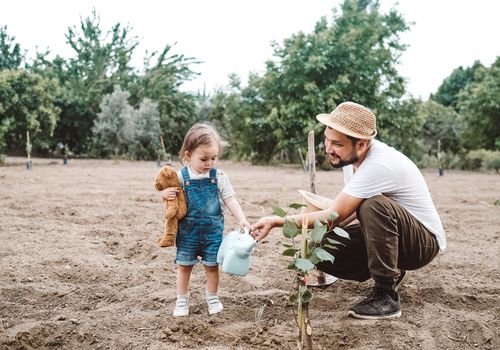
(305, 339)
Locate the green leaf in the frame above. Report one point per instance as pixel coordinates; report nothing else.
(287, 245)
(317, 233)
(330, 246)
(333, 215)
(323, 255)
(291, 266)
(303, 265)
(332, 241)
(290, 230)
(307, 296)
(317, 223)
(278, 211)
(297, 205)
(314, 258)
(293, 298)
(289, 252)
(341, 232)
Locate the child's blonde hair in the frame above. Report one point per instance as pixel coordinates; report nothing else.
(200, 134)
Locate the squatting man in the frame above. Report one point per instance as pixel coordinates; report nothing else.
(385, 206)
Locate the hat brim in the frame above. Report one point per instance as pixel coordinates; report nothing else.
(314, 201)
(326, 120)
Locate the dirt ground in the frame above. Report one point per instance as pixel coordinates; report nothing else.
(80, 268)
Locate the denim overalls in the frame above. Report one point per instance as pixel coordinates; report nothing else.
(200, 232)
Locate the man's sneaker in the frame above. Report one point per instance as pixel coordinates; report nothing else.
(379, 305)
(214, 304)
(403, 274)
(181, 306)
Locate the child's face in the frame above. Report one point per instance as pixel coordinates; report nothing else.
(203, 158)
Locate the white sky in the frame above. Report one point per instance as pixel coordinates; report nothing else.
(234, 36)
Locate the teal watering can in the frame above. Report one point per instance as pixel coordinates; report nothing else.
(235, 252)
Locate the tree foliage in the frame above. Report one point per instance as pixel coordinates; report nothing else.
(160, 83)
(101, 60)
(448, 91)
(26, 104)
(146, 130)
(114, 127)
(479, 103)
(11, 56)
(354, 58)
(248, 120)
(350, 56)
(441, 123)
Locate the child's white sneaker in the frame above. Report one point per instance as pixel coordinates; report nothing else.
(214, 304)
(181, 306)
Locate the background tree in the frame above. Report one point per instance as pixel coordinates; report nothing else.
(248, 120)
(160, 83)
(479, 103)
(448, 91)
(10, 52)
(26, 104)
(441, 123)
(114, 127)
(101, 60)
(354, 58)
(399, 124)
(146, 130)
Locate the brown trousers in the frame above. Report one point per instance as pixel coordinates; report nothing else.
(387, 239)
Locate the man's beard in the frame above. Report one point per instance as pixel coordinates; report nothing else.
(353, 158)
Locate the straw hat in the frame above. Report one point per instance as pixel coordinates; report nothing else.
(351, 119)
(315, 202)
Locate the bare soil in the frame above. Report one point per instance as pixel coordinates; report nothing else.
(80, 268)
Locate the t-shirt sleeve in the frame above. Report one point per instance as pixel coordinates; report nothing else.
(226, 190)
(371, 180)
(181, 178)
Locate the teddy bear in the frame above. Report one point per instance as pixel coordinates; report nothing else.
(175, 209)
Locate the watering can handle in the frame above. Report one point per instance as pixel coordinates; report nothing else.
(246, 231)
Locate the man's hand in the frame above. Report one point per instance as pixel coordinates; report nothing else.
(261, 228)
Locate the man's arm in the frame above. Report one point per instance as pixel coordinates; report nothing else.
(344, 205)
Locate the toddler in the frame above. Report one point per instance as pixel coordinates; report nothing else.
(208, 190)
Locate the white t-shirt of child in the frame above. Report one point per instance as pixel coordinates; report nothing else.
(223, 184)
(389, 172)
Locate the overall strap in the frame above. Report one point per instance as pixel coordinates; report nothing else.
(213, 173)
(185, 174)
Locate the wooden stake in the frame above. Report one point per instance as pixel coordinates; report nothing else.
(311, 153)
(28, 150)
(162, 144)
(439, 158)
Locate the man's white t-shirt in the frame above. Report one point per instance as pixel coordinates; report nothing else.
(389, 172)
(224, 185)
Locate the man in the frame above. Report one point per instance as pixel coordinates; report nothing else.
(397, 227)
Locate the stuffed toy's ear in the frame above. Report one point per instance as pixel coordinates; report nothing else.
(160, 180)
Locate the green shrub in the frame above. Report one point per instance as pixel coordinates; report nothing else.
(448, 161)
(494, 163)
(481, 159)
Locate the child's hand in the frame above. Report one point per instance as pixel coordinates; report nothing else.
(170, 193)
(244, 224)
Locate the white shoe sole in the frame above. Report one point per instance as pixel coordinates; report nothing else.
(215, 310)
(373, 317)
(180, 313)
